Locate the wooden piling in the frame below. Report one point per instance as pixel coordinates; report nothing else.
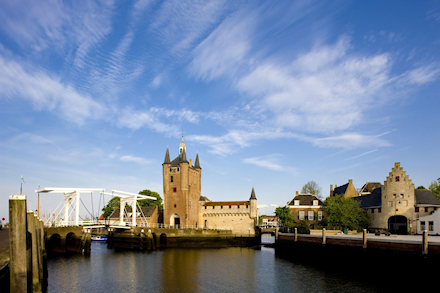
(18, 269)
(32, 229)
(296, 235)
(324, 240)
(364, 246)
(425, 242)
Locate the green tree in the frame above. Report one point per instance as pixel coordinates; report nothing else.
(434, 187)
(344, 213)
(284, 216)
(149, 202)
(312, 187)
(110, 206)
(421, 187)
(260, 220)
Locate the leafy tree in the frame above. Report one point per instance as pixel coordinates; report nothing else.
(344, 213)
(284, 216)
(149, 202)
(311, 187)
(110, 206)
(260, 220)
(435, 188)
(421, 187)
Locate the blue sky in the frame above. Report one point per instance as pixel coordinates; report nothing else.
(271, 94)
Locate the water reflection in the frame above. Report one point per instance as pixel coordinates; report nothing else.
(194, 270)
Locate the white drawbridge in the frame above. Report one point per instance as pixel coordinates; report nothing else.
(70, 195)
(127, 197)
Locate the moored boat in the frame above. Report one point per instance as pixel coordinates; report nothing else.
(100, 238)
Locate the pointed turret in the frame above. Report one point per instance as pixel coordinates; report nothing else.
(253, 194)
(183, 157)
(167, 157)
(197, 163)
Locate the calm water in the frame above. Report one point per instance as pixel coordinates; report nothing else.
(193, 270)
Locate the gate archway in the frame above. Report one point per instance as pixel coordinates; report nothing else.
(398, 225)
(175, 221)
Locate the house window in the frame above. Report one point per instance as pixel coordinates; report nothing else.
(379, 210)
(301, 215)
(397, 178)
(174, 189)
(172, 179)
(311, 215)
(416, 209)
(177, 169)
(372, 211)
(426, 209)
(422, 225)
(319, 215)
(431, 225)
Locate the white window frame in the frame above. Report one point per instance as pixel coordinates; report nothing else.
(301, 215)
(311, 216)
(319, 215)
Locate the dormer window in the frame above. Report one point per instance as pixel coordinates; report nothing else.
(296, 202)
(315, 202)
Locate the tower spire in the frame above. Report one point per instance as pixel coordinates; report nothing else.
(197, 163)
(253, 194)
(167, 157)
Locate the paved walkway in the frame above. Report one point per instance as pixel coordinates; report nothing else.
(371, 236)
(4, 246)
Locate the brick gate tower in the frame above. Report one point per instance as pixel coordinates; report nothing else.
(181, 189)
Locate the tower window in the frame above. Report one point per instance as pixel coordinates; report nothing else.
(175, 205)
(172, 179)
(177, 169)
(230, 206)
(213, 207)
(174, 189)
(238, 207)
(221, 207)
(416, 209)
(247, 206)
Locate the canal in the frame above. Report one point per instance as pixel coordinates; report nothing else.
(258, 269)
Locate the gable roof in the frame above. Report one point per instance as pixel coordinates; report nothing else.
(425, 198)
(371, 201)
(340, 189)
(146, 212)
(305, 200)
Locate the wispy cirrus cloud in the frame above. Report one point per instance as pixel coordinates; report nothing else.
(133, 159)
(64, 26)
(271, 162)
(361, 155)
(46, 92)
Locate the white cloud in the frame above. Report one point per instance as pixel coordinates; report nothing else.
(361, 155)
(46, 92)
(270, 162)
(349, 141)
(65, 26)
(138, 160)
(324, 90)
(222, 52)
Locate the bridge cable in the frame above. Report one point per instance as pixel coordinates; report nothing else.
(93, 210)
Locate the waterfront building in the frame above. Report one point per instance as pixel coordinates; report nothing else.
(270, 222)
(394, 205)
(185, 206)
(306, 207)
(145, 216)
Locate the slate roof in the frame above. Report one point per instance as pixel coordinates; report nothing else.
(370, 186)
(305, 200)
(253, 194)
(340, 189)
(147, 212)
(371, 201)
(197, 163)
(180, 159)
(425, 198)
(167, 157)
(203, 198)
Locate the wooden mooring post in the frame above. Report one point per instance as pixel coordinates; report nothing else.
(425, 242)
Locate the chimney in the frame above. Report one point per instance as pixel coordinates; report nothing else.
(313, 193)
(297, 192)
(350, 181)
(331, 189)
(190, 163)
